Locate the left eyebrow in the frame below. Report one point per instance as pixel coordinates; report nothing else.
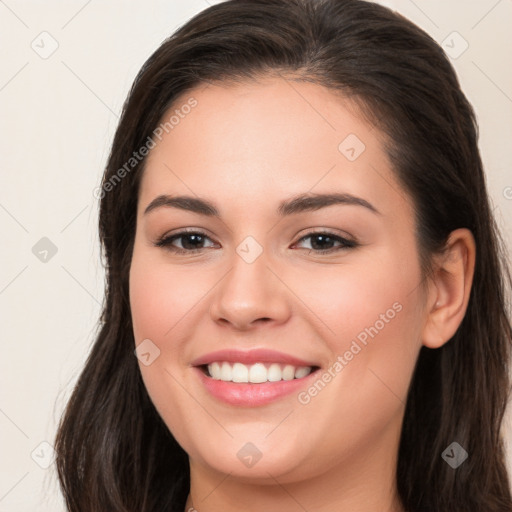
(310, 202)
(297, 204)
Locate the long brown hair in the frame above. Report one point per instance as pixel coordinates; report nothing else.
(114, 453)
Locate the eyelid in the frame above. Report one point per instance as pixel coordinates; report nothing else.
(347, 242)
(319, 230)
(165, 239)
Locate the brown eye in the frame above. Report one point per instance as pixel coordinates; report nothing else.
(322, 242)
(191, 241)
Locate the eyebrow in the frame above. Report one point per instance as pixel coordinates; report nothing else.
(297, 204)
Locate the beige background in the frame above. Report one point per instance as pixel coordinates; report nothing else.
(58, 115)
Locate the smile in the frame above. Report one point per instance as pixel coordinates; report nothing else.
(253, 378)
(255, 373)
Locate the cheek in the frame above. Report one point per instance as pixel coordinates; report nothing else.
(160, 300)
(166, 302)
(371, 312)
(363, 301)
(161, 296)
(374, 323)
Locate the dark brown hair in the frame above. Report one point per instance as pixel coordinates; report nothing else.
(114, 453)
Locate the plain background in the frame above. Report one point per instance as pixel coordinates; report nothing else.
(58, 115)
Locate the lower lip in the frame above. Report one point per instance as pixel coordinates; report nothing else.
(252, 395)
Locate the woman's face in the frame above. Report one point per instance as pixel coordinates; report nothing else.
(328, 339)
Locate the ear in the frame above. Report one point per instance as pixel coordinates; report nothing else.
(449, 288)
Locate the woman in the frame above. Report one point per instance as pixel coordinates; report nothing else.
(299, 248)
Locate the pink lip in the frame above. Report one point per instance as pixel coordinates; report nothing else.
(247, 394)
(252, 395)
(250, 357)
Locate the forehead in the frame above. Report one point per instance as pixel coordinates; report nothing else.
(266, 139)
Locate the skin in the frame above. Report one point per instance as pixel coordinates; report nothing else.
(246, 147)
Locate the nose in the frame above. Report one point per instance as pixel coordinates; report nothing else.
(250, 295)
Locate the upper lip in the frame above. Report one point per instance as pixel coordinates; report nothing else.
(250, 357)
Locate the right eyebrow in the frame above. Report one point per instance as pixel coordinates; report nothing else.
(189, 203)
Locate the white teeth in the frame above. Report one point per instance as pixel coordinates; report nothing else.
(302, 372)
(274, 373)
(215, 370)
(288, 372)
(256, 373)
(226, 373)
(240, 373)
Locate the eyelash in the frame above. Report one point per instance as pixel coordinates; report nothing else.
(166, 241)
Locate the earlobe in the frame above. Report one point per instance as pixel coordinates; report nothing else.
(449, 288)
